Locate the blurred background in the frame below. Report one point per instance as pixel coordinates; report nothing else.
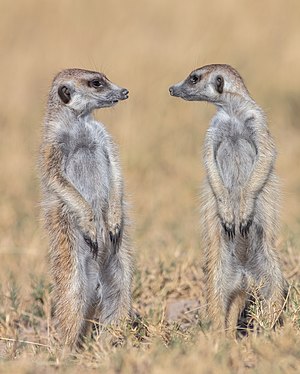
(144, 46)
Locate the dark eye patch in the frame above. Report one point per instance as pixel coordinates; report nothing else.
(194, 78)
(96, 83)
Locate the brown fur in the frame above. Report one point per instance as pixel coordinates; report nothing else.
(85, 217)
(240, 200)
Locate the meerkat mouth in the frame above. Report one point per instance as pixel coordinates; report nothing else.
(115, 101)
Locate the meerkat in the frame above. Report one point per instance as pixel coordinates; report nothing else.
(239, 209)
(83, 206)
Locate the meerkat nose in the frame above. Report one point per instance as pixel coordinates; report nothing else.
(171, 91)
(125, 92)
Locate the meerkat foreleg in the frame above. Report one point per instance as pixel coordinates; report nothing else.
(258, 178)
(115, 214)
(225, 210)
(69, 195)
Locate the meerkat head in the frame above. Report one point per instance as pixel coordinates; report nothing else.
(84, 90)
(213, 83)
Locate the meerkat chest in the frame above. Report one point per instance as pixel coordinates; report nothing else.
(86, 163)
(235, 153)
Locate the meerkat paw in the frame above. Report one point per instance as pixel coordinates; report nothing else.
(229, 228)
(115, 230)
(246, 216)
(93, 246)
(227, 221)
(115, 234)
(88, 228)
(245, 227)
(226, 216)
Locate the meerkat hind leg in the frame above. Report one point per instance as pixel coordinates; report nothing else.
(115, 294)
(236, 307)
(270, 288)
(72, 295)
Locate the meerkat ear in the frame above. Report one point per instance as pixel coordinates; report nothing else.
(64, 93)
(219, 83)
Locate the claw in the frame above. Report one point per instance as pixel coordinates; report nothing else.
(229, 229)
(245, 227)
(93, 246)
(115, 238)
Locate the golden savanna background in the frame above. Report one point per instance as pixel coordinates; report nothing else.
(144, 46)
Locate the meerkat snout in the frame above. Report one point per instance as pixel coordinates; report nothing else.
(174, 91)
(124, 93)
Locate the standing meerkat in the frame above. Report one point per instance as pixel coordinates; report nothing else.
(82, 199)
(240, 199)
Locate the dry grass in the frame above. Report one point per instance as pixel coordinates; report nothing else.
(144, 46)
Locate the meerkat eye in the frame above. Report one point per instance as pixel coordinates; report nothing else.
(96, 83)
(194, 78)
